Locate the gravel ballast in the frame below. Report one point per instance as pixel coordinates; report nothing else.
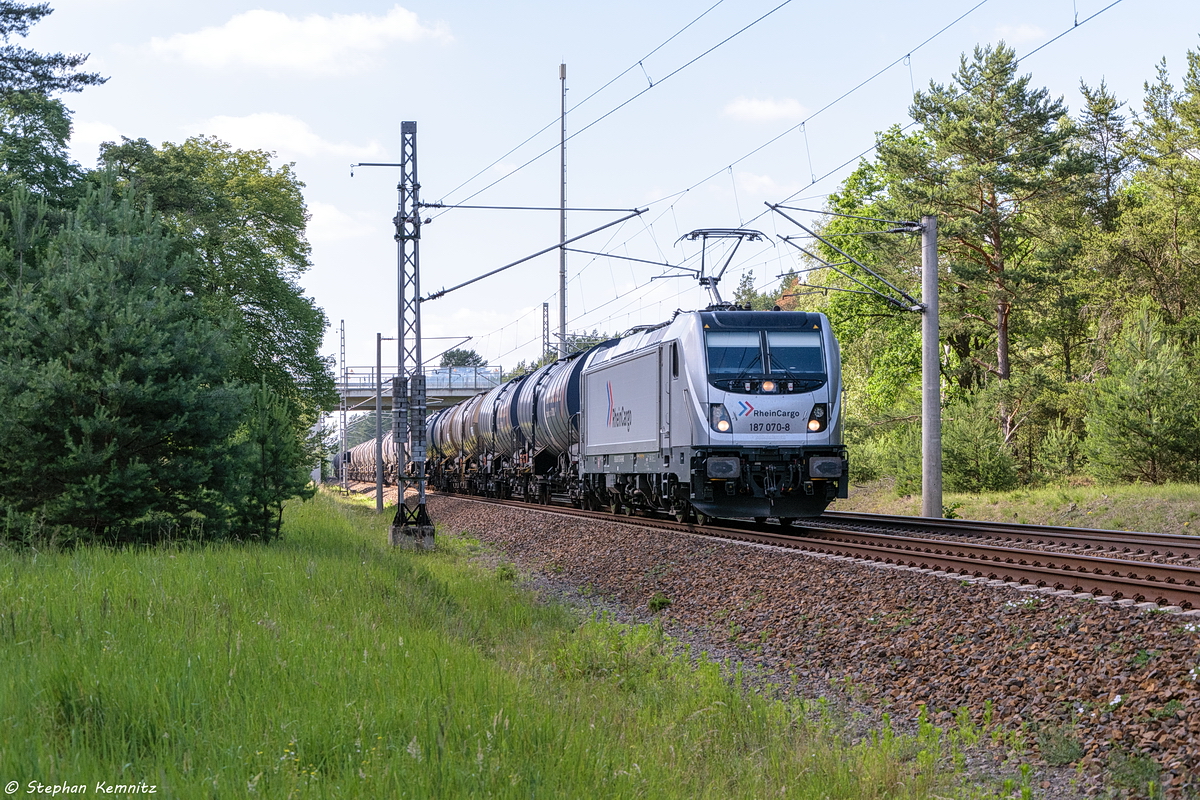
(1118, 683)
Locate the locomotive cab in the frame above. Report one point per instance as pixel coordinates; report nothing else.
(774, 432)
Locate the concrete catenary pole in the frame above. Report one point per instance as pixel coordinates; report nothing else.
(379, 422)
(931, 376)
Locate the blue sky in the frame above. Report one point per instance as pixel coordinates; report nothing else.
(692, 110)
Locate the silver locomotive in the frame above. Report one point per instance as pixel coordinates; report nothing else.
(718, 413)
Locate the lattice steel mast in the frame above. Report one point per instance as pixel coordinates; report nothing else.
(412, 525)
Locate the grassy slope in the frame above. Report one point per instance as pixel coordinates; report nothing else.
(1174, 508)
(331, 665)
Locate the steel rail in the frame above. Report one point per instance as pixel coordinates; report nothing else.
(1142, 581)
(1166, 545)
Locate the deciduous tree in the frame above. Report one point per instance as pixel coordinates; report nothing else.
(244, 221)
(462, 358)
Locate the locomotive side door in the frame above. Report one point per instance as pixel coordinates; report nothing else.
(664, 398)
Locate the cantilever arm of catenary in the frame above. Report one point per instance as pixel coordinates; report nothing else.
(871, 290)
(914, 304)
(441, 292)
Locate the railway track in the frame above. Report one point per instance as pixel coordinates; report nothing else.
(1079, 561)
(1131, 544)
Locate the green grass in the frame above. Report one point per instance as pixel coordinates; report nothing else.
(329, 664)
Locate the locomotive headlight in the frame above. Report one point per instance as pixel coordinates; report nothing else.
(819, 418)
(769, 386)
(718, 417)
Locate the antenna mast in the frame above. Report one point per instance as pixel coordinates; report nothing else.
(562, 222)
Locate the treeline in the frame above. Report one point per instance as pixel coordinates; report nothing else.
(159, 364)
(1069, 259)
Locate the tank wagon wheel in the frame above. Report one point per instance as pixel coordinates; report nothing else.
(786, 522)
(684, 514)
(702, 518)
(759, 520)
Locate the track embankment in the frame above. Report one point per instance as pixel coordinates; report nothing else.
(1115, 687)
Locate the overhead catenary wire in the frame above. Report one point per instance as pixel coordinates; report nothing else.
(630, 100)
(907, 59)
(610, 82)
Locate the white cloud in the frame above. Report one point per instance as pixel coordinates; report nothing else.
(330, 224)
(768, 110)
(287, 136)
(764, 185)
(1020, 34)
(339, 43)
(86, 138)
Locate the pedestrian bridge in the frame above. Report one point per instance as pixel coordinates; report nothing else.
(444, 386)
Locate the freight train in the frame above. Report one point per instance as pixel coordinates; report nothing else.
(716, 414)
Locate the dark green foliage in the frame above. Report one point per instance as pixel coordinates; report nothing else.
(462, 358)
(992, 160)
(34, 132)
(115, 387)
(24, 70)
(1144, 417)
(974, 458)
(749, 297)
(243, 221)
(128, 337)
(1155, 250)
(1051, 229)
(274, 463)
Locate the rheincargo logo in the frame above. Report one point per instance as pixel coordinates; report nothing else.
(618, 417)
(776, 413)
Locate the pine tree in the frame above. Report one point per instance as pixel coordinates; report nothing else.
(993, 159)
(275, 465)
(1143, 419)
(114, 386)
(24, 70)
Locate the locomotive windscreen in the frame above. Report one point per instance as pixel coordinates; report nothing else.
(734, 353)
(795, 353)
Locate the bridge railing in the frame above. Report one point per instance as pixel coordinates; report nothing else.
(360, 380)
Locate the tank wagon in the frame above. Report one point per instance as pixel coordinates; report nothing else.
(359, 461)
(717, 413)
